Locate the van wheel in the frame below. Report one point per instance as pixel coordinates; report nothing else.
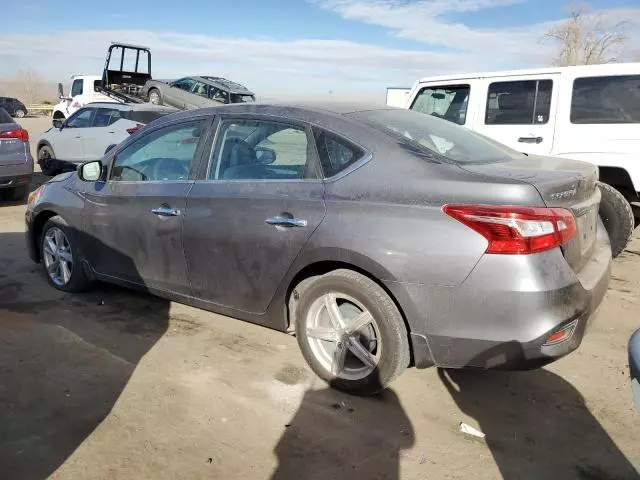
(351, 332)
(617, 216)
(154, 97)
(46, 160)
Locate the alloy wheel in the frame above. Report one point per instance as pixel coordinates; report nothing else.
(58, 258)
(343, 336)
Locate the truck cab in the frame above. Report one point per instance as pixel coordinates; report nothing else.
(84, 89)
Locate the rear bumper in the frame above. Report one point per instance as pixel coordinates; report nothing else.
(503, 313)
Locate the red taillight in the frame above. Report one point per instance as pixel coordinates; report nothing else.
(517, 230)
(19, 133)
(133, 130)
(561, 335)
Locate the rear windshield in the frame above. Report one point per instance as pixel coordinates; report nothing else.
(5, 117)
(435, 138)
(146, 116)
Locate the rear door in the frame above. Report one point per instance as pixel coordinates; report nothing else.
(248, 217)
(520, 111)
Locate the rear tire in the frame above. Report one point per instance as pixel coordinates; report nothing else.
(72, 278)
(19, 113)
(154, 97)
(617, 216)
(383, 341)
(46, 158)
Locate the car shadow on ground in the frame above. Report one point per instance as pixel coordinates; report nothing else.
(64, 360)
(339, 436)
(537, 425)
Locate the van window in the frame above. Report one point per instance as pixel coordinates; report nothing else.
(614, 99)
(448, 102)
(76, 88)
(521, 102)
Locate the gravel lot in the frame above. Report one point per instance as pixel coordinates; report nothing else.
(114, 384)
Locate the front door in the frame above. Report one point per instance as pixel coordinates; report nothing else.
(69, 141)
(520, 111)
(134, 219)
(176, 94)
(249, 218)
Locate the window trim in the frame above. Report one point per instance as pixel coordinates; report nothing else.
(535, 102)
(195, 165)
(441, 86)
(573, 87)
(306, 127)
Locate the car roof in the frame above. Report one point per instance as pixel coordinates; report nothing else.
(147, 107)
(224, 83)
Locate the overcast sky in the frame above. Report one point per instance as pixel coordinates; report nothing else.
(295, 48)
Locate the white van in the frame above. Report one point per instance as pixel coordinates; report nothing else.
(84, 89)
(589, 113)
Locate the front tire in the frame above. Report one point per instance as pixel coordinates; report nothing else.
(19, 113)
(46, 160)
(617, 216)
(61, 259)
(350, 332)
(154, 97)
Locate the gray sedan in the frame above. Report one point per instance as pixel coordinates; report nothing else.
(16, 163)
(384, 238)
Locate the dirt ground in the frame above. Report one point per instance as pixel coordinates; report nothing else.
(114, 384)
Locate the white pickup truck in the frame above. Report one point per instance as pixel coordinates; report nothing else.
(83, 91)
(589, 113)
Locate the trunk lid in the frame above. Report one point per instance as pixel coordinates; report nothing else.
(561, 183)
(13, 151)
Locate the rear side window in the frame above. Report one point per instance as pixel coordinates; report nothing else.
(106, 116)
(336, 154)
(77, 87)
(614, 99)
(521, 102)
(448, 102)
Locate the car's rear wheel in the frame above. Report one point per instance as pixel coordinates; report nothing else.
(351, 332)
(46, 160)
(60, 257)
(617, 216)
(19, 113)
(154, 97)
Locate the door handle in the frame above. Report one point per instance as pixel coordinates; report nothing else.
(530, 140)
(166, 212)
(286, 222)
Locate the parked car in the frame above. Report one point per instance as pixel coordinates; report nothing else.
(13, 107)
(382, 236)
(16, 163)
(196, 92)
(90, 132)
(84, 90)
(634, 367)
(589, 113)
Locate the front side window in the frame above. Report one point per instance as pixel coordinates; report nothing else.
(336, 154)
(520, 102)
(185, 84)
(606, 100)
(80, 119)
(260, 150)
(164, 155)
(200, 89)
(77, 87)
(448, 102)
(218, 95)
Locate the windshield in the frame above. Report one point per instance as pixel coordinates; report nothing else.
(429, 135)
(238, 98)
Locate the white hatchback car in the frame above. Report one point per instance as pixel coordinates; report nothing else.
(92, 131)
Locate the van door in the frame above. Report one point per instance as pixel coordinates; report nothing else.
(519, 111)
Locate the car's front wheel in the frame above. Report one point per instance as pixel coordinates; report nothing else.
(351, 332)
(46, 160)
(60, 257)
(19, 113)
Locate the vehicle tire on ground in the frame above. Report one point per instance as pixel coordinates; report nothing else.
(61, 258)
(155, 97)
(617, 216)
(351, 332)
(46, 161)
(19, 113)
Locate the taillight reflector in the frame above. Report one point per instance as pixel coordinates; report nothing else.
(19, 133)
(515, 229)
(133, 130)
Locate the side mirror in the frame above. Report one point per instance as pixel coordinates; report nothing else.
(265, 156)
(60, 91)
(90, 171)
(58, 123)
